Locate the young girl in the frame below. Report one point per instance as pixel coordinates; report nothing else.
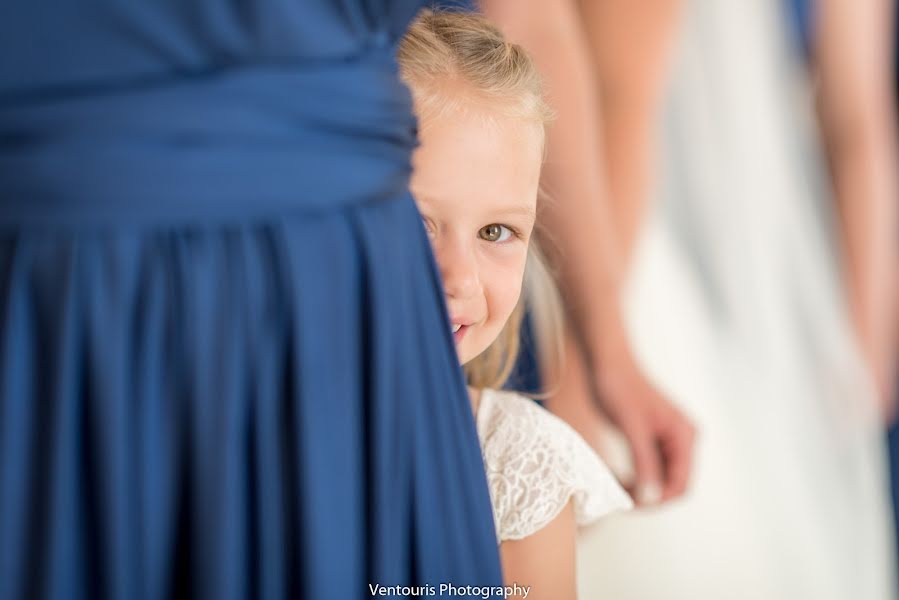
(481, 125)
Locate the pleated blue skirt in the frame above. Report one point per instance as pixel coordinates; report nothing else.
(226, 370)
(269, 410)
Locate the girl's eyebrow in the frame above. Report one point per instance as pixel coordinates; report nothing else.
(525, 210)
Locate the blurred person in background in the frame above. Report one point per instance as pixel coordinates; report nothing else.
(761, 231)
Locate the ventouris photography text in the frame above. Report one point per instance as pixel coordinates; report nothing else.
(448, 590)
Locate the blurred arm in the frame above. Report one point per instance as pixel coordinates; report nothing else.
(857, 109)
(631, 41)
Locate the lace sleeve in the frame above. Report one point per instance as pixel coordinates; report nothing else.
(536, 463)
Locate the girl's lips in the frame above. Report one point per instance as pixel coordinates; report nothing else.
(460, 333)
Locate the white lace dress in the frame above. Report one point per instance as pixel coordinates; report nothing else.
(535, 464)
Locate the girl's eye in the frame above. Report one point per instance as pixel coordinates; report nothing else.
(495, 233)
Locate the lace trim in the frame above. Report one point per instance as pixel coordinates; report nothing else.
(535, 463)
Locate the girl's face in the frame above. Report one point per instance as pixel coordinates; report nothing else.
(475, 181)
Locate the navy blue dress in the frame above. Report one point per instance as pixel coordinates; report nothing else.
(225, 365)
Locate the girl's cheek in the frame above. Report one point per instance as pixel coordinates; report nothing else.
(509, 255)
(511, 273)
(502, 273)
(506, 294)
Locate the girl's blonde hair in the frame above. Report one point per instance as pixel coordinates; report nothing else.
(444, 49)
(445, 53)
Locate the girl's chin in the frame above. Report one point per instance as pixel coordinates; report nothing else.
(466, 355)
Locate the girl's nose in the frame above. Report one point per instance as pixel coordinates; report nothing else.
(459, 269)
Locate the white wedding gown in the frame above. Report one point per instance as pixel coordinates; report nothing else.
(735, 309)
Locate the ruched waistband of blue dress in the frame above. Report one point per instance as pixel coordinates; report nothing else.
(246, 142)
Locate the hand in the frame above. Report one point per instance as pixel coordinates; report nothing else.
(661, 438)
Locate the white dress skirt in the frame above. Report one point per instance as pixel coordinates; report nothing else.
(735, 308)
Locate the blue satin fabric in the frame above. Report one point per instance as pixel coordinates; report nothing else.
(294, 138)
(225, 365)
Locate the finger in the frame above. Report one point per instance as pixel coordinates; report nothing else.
(647, 462)
(678, 454)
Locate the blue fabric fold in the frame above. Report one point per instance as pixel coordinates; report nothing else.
(226, 369)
